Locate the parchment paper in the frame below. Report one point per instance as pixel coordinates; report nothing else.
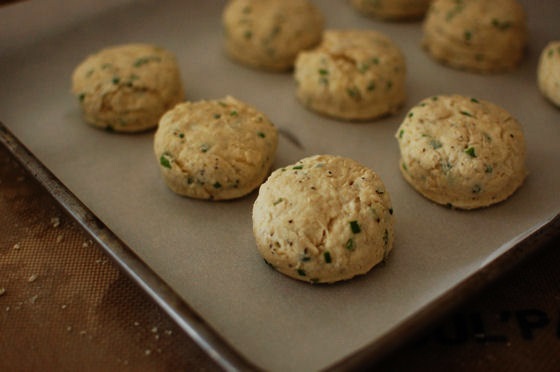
(205, 250)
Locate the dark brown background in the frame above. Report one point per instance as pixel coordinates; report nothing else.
(64, 305)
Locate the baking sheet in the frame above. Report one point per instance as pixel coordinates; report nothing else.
(205, 251)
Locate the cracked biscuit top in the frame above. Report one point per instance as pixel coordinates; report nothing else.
(127, 88)
(462, 152)
(323, 219)
(477, 35)
(268, 34)
(352, 75)
(216, 149)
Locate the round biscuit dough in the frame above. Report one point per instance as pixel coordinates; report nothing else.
(217, 149)
(548, 72)
(268, 34)
(323, 219)
(126, 88)
(462, 152)
(352, 75)
(392, 10)
(476, 35)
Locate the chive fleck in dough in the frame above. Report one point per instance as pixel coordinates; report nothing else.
(548, 72)
(392, 10)
(352, 75)
(126, 88)
(462, 152)
(323, 219)
(268, 34)
(477, 35)
(218, 149)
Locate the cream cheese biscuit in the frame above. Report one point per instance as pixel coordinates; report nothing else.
(323, 219)
(462, 152)
(392, 10)
(352, 75)
(217, 149)
(126, 88)
(268, 34)
(548, 72)
(477, 35)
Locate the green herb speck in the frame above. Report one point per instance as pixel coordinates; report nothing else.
(401, 132)
(350, 244)
(435, 144)
(389, 85)
(217, 116)
(467, 35)
(116, 80)
(410, 114)
(504, 25)
(301, 272)
(466, 113)
(327, 256)
(354, 93)
(471, 152)
(164, 161)
(297, 167)
(144, 60)
(204, 147)
(474, 100)
(476, 189)
(323, 72)
(278, 201)
(261, 134)
(355, 227)
(81, 97)
(234, 113)
(488, 169)
(217, 185)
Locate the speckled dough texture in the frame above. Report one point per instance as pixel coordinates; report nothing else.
(217, 149)
(476, 35)
(352, 75)
(462, 152)
(323, 219)
(548, 72)
(392, 10)
(268, 34)
(126, 88)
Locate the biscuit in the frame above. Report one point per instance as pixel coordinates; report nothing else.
(392, 10)
(323, 219)
(352, 75)
(476, 35)
(268, 34)
(217, 149)
(548, 72)
(127, 88)
(462, 152)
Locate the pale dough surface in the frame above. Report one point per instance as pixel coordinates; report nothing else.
(394, 10)
(268, 34)
(476, 35)
(323, 219)
(352, 75)
(462, 152)
(216, 149)
(548, 73)
(126, 88)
